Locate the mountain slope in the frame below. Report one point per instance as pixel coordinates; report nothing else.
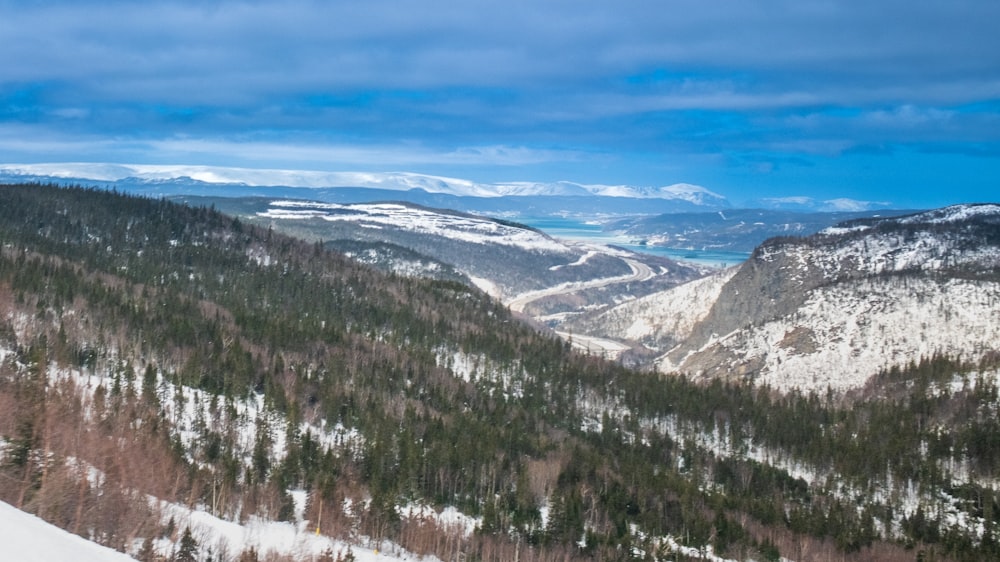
(739, 230)
(149, 349)
(166, 368)
(836, 308)
(657, 321)
(547, 278)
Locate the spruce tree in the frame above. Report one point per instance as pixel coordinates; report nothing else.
(188, 549)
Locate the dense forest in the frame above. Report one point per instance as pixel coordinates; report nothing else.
(179, 353)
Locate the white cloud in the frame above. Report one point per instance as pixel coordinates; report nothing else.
(629, 92)
(386, 155)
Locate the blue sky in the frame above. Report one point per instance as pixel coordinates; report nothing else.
(875, 100)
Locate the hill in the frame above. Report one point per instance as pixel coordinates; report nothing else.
(836, 308)
(833, 309)
(740, 230)
(163, 364)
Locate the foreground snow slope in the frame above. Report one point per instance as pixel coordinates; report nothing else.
(26, 538)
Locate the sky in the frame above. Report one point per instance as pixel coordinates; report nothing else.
(894, 102)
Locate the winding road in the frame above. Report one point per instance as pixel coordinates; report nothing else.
(640, 272)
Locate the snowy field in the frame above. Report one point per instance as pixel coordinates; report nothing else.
(26, 538)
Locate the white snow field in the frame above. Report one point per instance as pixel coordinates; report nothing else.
(26, 538)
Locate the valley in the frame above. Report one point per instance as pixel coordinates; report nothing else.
(390, 281)
(549, 279)
(194, 378)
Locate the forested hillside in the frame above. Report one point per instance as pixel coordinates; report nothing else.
(153, 350)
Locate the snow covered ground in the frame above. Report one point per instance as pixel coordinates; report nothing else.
(640, 272)
(859, 329)
(393, 215)
(26, 538)
(189, 409)
(228, 539)
(668, 314)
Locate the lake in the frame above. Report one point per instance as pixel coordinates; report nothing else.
(581, 230)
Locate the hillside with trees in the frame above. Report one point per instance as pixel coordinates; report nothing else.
(150, 350)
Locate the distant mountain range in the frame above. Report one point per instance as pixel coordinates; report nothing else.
(736, 230)
(525, 197)
(391, 181)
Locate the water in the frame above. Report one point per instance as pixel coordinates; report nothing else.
(580, 230)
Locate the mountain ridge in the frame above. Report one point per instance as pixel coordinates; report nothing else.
(178, 179)
(782, 317)
(156, 350)
(396, 181)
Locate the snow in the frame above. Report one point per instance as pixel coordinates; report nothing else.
(399, 181)
(423, 221)
(525, 188)
(296, 540)
(604, 347)
(640, 272)
(845, 204)
(858, 315)
(945, 215)
(449, 518)
(865, 326)
(188, 409)
(486, 286)
(27, 538)
(954, 213)
(475, 368)
(667, 314)
(838, 230)
(809, 204)
(583, 259)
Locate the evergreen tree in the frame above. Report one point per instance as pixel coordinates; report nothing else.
(187, 550)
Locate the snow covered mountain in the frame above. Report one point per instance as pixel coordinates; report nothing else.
(833, 309)
(181, 384)
(803, 204)
(739, 230)
(547, 278)
(137, 174)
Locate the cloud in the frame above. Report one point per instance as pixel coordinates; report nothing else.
(499, 84)
(21, 142)
(240, 52)
(807, 203)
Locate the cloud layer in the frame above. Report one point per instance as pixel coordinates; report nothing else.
(744, 95)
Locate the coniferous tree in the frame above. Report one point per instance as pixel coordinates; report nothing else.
(187, 549)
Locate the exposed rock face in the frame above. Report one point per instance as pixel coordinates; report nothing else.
(833, 309)
(660, 320)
